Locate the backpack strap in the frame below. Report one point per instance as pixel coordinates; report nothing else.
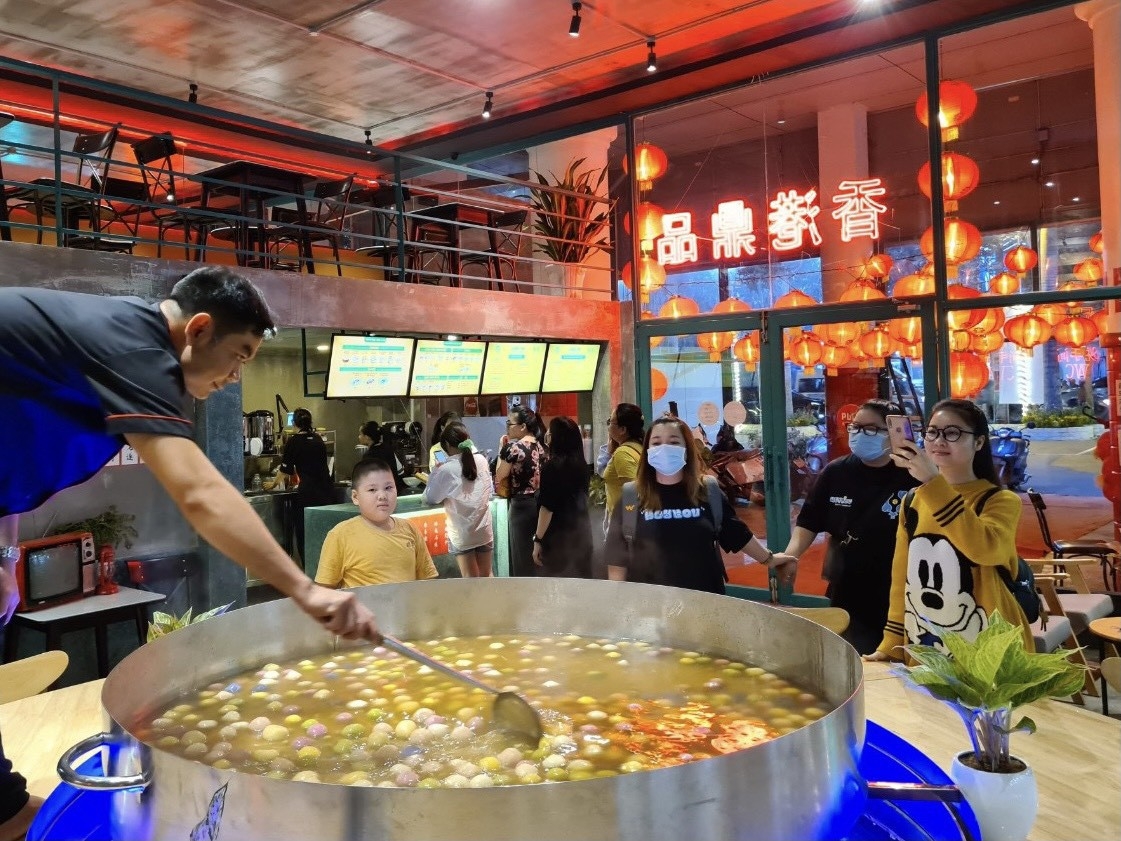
(715, 501)
(629, 501)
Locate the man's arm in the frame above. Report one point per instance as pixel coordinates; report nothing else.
(221, 515)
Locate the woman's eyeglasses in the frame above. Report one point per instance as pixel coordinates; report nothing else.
(865, 428)
(949, 433)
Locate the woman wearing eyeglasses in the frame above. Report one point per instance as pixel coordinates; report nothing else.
(856, 502)
(520, 457)
(955, 535)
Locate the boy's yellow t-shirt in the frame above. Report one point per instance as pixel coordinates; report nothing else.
(357, 552)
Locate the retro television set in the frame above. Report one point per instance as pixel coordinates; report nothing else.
(570, 366)
(55, 570)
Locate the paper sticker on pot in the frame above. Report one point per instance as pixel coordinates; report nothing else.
(208, 828)
(735, 413)
(708, 413)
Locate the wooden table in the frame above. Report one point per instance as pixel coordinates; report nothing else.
(97, 612)
(1108, 630)
(1076, 754)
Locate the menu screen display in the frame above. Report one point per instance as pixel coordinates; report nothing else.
(570, 367)
(446, 369)
(513, 367)
(369, 366)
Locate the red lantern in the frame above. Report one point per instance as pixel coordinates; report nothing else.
(651, 165)
(963, 241)
(1096, 244)
(877, 343)
(985, 342)
(962, 319)
(913, 285)
(990, 321)
(956, 103)
(968, 374)
(840, 333)
(1089, 270)
(659, 385)
(678, 307)
(1021, 259)
(833, 357)
(912, 352)
(1053, 314)
(651, 277)
(649, 224)
(805, 350)
(960, 177)
(877, 266)
(715, 343)
(1076, 332)
(1027, 331)
(960, 340)
(905, 330)
(731, 305)
(1100, 318)
(1004, 284)
(861, 290)
(746, 350)
(793, 299)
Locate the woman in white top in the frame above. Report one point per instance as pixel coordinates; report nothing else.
(462, 482)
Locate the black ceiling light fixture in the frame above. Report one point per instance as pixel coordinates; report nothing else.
(651, 59)
(488, 105)
(193, 96)
(369, 143)
(574, 25)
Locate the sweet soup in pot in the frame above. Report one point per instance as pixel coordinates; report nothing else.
(369, 717)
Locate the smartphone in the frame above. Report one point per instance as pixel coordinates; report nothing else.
(902, 428)
(441, 457)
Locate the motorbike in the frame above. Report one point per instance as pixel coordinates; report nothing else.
(740, 473)
(1010, 457)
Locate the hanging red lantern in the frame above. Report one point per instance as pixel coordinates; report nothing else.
(905, 330)
(877, 266)
(746, 350)
(1089, 270)
(962, 319)
(793, 299)
(731, 305)
(1076, 332)
(963, 242)
(991, 321)
(1096, 243)
(1004, 284)
(805, 350)
(912, 352)
(833, 357)
(861, 290)
(956, 103)
(649, 217)
(985, 342)
(913, 286)
(651, 164)
(960, 177)
(1021, 259)
(679, 307)
(651, 277)
(659, 385)
(927, 269)
(877, 343)
(968, 374)
(960, 339)
(840, 333)
(715, 343)
(1053, 314)
(1100, 318)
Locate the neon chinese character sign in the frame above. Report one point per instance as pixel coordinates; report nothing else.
(792, 216)
(733, 227)
(859, 213)
(678, 243)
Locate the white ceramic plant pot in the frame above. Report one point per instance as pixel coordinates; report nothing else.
(1005, 804)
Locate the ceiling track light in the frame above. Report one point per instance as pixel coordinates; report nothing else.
(369, 143)
(193, 96)
(574, 25)
(488, 105)
(651, 59)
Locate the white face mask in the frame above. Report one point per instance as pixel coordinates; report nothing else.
(667, 459)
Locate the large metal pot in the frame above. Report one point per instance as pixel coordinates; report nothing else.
(804, 785)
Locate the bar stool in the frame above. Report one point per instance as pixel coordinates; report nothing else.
(504, 231)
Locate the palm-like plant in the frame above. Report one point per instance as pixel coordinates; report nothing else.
(572, 227)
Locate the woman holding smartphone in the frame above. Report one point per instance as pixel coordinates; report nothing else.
(462, 482)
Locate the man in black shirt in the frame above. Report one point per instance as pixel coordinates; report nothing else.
(80, 375)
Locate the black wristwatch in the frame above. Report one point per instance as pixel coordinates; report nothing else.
(537, 539)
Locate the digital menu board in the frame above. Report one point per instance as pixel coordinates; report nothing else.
(369, 366)
(447, 368)
(570, 367)
(513, 367)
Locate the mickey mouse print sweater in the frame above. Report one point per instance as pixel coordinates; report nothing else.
(944, 573)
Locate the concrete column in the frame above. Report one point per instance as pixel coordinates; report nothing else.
(842, 153)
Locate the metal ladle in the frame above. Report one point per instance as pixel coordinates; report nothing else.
(511, 712)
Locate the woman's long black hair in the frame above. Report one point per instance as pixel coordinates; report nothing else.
(454, 436)
(566, 452)
(529, 417)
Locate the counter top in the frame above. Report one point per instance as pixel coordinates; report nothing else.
(1076, 754)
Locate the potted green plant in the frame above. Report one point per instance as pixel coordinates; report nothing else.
(164, 623)
(110, 529)
(572, 224)
(984, 681)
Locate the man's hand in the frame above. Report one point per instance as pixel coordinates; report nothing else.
(785, 567)
(339, 612)
(538, 554)
(9, 594)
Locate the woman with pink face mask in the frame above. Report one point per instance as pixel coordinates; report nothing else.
(675, 538)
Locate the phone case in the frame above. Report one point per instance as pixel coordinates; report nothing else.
(900, 429)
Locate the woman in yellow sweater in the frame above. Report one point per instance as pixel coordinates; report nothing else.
(955, 533)
(626, 430)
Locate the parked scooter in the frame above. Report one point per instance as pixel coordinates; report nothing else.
(1010, 457)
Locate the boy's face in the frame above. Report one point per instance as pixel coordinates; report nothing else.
(375, 494)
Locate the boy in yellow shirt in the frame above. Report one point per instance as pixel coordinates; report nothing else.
(374, 547)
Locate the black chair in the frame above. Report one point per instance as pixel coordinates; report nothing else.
(324, 225)
(504, 232)
(384, 219)
(169, 201)
(5, 228)
(1103, 550)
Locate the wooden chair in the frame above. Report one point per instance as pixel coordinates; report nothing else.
(30, 676)
(835, 619)
(1054, 631)
(1081, 606)
(1111, 672)
(1104, 550)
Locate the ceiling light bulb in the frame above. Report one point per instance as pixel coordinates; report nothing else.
(322, 348)
(1076, 198)
(369, 143)
(193, 96)
(651, 59)
(1048, 183)
(488, 105)
(452, 337)
(1035, 161)
(574, 25)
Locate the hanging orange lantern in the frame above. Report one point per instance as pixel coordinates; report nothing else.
(956, 103)
(715, 343)
(913, 285)
(968, 374)
(1053, 314)
(986, 342)
(651, 277)
(905, 330)
(912, 352)
(659, 385)
(861, 290)
(649, 217)
(877, 343)
(746, 350)
(1021, 259)
(1096, 244)
(651, 164)
(840, 333)
(1076, 332)
(1089, 270)
(1004, 284)
(927, 269)
(678, 307)
(962, 319)
(805, 350)
(856, 354)
(1100, 318)
(793, 299)
(963, 241)
(877, 266)
(646, 315)
(959, 340)
(991, 321)
(833, 357)
(731, 305)
(960, 177)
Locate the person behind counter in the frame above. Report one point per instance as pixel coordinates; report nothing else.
(372, 436)
(438, 436)
(462, 482)
(375, 547)
(520, 457)
(562, 541)
(81, 375)
(305, 460)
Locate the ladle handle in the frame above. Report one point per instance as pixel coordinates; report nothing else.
(405, 651)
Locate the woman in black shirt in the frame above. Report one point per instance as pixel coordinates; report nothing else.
(305, 457)
(562, 541)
